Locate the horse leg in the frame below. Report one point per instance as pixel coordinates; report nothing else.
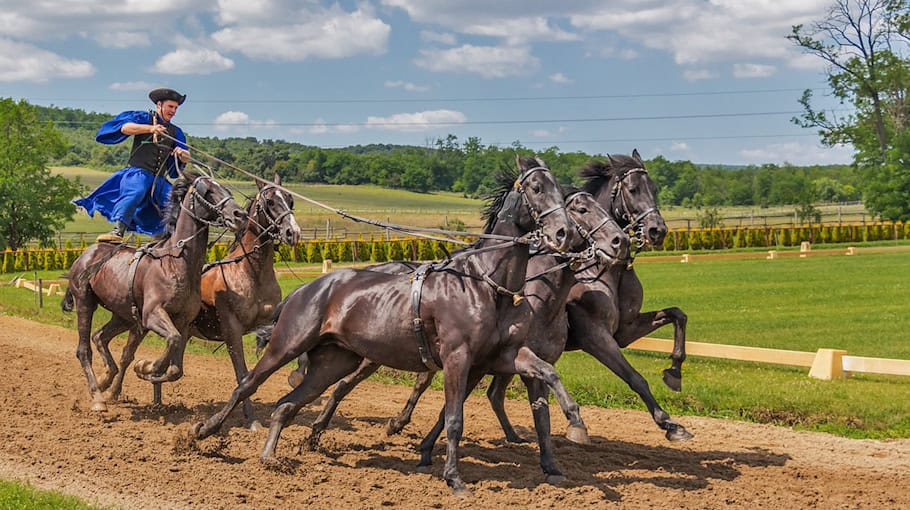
(232, 332)
(126, 357)
(456, 373)
(644, 323)
(607, 351)
(85, 310)
(396, 424)
(540, 408)
(496, 394)
(344, 386)
(328, 364)
(527, 364)
(426, 446)
(154, 371)
(272, 360)
(102, 340)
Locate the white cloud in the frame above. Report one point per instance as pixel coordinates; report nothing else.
(560, 78)
(418, 121)
(321, 128)
(679, 147)
(546, 133)
(798, 154)
(239, 121)
(437, 37)
(487, 61)
(25, 62)
(131, 85)
(196, 61)
(332, 33)
(613, 52)
(121, 40)
(753, 70)
(698, 74)
(406, 85)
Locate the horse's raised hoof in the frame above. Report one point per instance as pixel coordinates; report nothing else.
(295, 378)
(99, 407)
(673, 379)
(255, 426)
(578, 434)
(678, 434)
(196, 430)
(142, 367)
(424, 469)
(556, 479)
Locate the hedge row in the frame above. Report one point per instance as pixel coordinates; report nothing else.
(373, 250)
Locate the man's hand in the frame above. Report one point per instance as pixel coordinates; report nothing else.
(156, 129)
(182, 154)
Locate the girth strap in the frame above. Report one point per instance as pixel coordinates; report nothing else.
(427, 356)
(130, 278)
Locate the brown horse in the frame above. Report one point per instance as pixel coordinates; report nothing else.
(239, 292)
(153, 288)
(604, 309)
(463, 317)
(548, 284)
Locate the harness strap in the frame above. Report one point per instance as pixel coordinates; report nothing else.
(130, 278)
(427, 356)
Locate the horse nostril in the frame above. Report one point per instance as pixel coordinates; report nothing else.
(561, 235)
(616, 242)
(655, 233)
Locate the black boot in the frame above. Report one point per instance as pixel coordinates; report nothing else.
(116, 235)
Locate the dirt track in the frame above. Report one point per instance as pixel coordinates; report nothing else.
(127, 458)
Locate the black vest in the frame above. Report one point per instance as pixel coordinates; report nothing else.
(151, 156)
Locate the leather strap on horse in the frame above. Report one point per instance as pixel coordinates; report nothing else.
(131, 276)
(427, 356)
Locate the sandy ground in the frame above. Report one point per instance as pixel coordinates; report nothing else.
(127, 457)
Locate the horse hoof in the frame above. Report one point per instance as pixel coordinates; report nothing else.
(556, 479)
(99, 407)
(673, 379)
(196, 430)
(142, 367)
(255, 426)
(679, 434)
(578, 435)
(424, 469)
(516, 439)
(393, 428)
(295, 378)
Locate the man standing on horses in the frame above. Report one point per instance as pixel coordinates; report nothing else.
(134, 197)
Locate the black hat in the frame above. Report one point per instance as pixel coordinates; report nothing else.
(167, 95)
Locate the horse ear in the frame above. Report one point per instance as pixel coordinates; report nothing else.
(260, 183)
(521, 167)
(277, 179)
(540, 162)
(635, 155)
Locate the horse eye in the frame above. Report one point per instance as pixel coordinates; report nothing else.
(583, 210)
(536, 188)
(269, 202)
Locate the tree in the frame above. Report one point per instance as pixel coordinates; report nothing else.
(864, 44)
(33, 203)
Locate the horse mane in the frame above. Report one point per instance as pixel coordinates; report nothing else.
(178, 192)
(598, 173)
(244, 226)
(505, 181)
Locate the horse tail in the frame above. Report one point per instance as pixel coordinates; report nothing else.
(69, 301)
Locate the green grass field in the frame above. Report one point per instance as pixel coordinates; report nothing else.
(17, 496)
(853, 303)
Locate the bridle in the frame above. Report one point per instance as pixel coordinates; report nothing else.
(633, 224)
(197, 197)
(273, 228)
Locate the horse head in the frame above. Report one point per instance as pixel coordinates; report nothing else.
(212, 203)
(275, 212)
(545, 209)
(603, 236)
(623, 187)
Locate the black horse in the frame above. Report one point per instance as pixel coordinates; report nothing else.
(468, 318)
(548, 284)
(603, 308)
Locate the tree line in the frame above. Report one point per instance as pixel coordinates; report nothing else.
(469, 167)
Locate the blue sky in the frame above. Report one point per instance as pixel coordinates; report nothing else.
(707, 81)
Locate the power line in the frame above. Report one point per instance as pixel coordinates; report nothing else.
(475, 122)
(446, 99)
